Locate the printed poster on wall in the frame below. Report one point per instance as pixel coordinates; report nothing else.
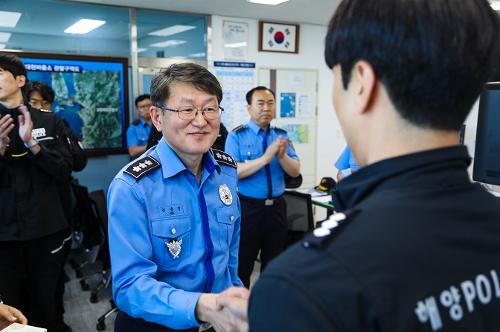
(236, 78)
(287, 104)
(298, 133)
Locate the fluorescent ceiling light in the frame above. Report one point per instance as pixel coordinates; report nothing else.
(168, 43)
(139, 50)
(268, 2)
(171, 30)
(9, 19)
(4, 37)
(495, 5)
(84, 26)
(2, 46)
(236, 45)
(197, 55)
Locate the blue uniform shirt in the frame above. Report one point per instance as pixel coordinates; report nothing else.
(163, 206)
(346, 161)
(138, 134)
(245, 143)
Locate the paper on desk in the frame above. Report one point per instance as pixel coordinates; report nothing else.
(313, 192)
(15, 327)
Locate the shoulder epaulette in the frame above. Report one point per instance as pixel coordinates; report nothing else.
(280, 129)
(135, 122)
(224, 158)
(142, 166)
(322, 236)
(239, 128)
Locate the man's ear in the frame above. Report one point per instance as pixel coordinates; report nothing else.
(156, 117)
(21, 80)
(364, 82)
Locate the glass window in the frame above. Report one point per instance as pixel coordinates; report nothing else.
(44, 27)
(171, 35)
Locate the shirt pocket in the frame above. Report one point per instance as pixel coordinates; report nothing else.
(227, 216)
(171, 241)
(249, 153)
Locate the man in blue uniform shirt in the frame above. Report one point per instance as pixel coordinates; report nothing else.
(263, 156)
(174, 219)
(346, 164)
(140, 129)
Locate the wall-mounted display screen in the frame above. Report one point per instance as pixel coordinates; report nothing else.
(90, 94)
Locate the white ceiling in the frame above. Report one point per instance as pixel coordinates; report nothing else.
(293, 11)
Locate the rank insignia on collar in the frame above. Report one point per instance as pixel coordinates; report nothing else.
(223, 158)
(174, 247)
(322, 236)
(225, 194)
(142, 166)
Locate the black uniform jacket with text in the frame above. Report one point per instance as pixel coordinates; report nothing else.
(418, 250)
(30, 206)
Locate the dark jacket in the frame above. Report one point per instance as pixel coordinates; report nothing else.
(30, 206)
(418, 251)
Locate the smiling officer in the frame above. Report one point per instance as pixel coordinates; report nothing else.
(174, 219)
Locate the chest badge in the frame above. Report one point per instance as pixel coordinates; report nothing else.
(225, 194)
(174, 248)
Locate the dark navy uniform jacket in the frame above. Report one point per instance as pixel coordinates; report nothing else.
(30, 206)
(415, 248)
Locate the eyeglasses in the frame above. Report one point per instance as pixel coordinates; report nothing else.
(190, 112)
(39, 103)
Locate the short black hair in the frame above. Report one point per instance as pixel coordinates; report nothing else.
(12, 64)
(43, 89)
(141, 98)
(257, 88)
(190, 73)
(433, 57)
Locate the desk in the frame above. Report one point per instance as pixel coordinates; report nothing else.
(323, 201)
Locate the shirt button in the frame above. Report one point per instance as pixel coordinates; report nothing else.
(174, 231)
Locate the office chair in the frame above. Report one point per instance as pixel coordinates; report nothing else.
(88, 234)
(103, 288)
(299, 215)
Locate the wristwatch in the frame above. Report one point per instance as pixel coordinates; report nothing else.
(31, 143)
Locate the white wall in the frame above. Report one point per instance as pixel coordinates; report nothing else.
(329, 137)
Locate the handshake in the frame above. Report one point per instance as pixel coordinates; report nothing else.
(227, 311)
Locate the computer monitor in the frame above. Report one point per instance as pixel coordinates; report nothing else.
(299, 215)
(487, 152)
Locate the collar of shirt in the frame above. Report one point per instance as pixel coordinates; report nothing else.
(255, 127)
(171, 164)
(143, 123)
(431, 167)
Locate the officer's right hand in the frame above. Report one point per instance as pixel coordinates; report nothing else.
(9, 315)
(6, 126)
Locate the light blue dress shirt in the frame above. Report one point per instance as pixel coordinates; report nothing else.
(161, 206)
(138, 134)
(346, 162)
(245, 144)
